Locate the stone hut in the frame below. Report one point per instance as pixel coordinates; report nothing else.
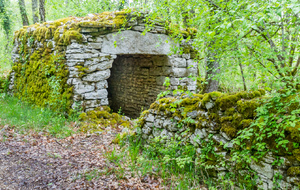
(101, 59)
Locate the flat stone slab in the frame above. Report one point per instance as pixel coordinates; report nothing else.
(132, 42)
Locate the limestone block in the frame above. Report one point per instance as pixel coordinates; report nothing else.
(75, 46)
(92, 103)
(158, 123)
(159, 29)
(229, 145)
(225, 136)
(269, 158)
(93, 51)
(100, 66)
(88, 30)
(95, 45)
(146, 130)
(179, 72)
(200, 133)
(192, 114)
(174, 81)
(139, 28)
(97, 76)
(132, 42)
(165, 134)
(178, 62)
(209, 105)
(218, 138)
(263, 169)
(72, 63)
(102, 84)
(101, 57)
(96, 40)
(73, 73)
(73, 51)
(77, 97)
(79, 56)
(191, 88)
(150, 118)
(15, 49)
(104, 102)
(192, 67)
(95, 95)
(186, 56)
(149, 124)
(156, 132)
(293, 179)
(15, 57)
(195, 140)
(76, 81)
(83, 88)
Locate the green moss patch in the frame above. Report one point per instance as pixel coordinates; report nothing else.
(41, 79)
(96, 120)
(294, 171)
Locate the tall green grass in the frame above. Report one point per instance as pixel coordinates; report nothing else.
(26, 117)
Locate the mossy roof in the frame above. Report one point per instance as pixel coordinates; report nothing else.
(105, 21)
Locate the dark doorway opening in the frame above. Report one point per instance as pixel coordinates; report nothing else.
(135, 82)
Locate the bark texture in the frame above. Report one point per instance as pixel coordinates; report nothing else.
(42, 11)
(212, 69)
(35, 13)
(23, 12)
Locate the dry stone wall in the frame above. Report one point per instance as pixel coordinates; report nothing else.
(214, 119)
(92, 55)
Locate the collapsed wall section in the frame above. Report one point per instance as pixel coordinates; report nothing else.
(212, 124)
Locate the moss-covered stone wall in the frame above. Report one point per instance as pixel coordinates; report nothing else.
(65, 63)
(212, 123)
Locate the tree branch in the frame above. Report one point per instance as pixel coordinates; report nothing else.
(254, 53)
(294, 72)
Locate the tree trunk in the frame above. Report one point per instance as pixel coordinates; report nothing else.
(212, 69)
(6, 23)
(243, 77)
(35, 14)
(23, 12)
(42, 11)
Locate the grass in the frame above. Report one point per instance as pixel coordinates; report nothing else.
(26, 117)
(151, 161)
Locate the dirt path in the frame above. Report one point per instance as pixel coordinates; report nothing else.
(38, 161)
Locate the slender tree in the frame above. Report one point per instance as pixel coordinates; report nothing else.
(5, 23)
(212, 68)
(35, 14)
(5, 20)
(42, 10)
(23, 12)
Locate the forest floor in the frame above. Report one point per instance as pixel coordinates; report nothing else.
(39, 161)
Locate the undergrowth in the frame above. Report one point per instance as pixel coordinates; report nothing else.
(173, 165)
(26, 117)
